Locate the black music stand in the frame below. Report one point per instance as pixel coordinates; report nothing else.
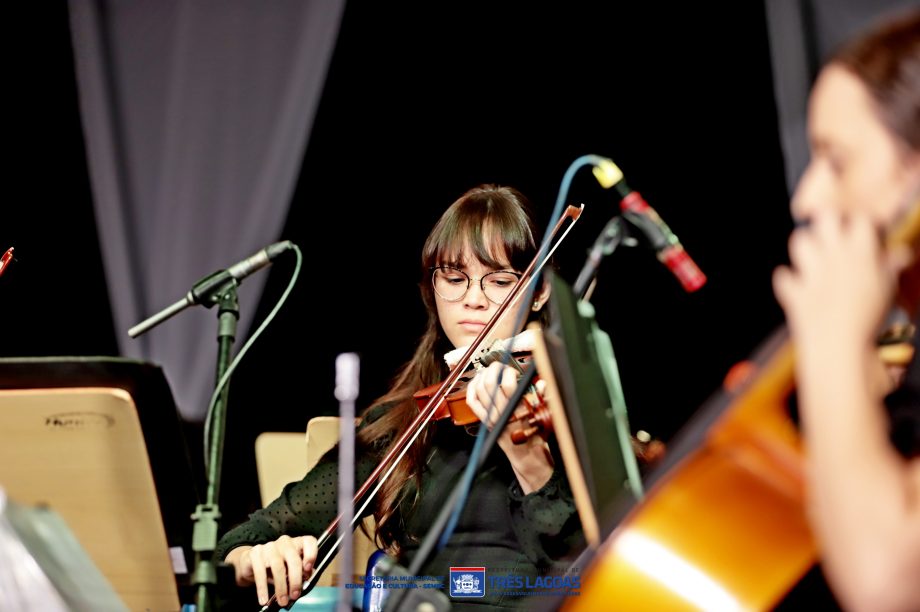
(589, 411)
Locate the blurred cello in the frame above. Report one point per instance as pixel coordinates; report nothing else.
(723, 524)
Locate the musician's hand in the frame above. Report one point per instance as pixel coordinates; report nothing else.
(835, 294)
(531, 461)
(840, 282)
(286, 562)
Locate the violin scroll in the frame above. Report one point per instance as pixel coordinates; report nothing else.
(537, 419)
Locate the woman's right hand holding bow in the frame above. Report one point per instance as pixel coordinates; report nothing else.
(285, 562)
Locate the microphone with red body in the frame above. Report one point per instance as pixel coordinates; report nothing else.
(5, 260)
(665, 243)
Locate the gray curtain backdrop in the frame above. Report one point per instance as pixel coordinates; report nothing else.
(196, 116)
(802, 35)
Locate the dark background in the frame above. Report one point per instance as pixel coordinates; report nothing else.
(420, 104)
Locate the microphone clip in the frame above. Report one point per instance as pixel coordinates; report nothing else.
(211, 289)
(614, 234)
(217, 287)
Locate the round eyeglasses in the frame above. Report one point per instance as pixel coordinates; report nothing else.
(452, 284)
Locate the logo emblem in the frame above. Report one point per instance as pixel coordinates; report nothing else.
(467, 582)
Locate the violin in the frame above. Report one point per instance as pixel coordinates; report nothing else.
(533, 411)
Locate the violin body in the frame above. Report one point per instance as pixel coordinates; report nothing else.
(454, 405)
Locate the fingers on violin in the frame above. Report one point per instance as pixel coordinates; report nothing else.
(509, 380)
(481, 393)
(502, 383)
(473, 393)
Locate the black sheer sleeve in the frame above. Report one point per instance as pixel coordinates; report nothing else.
(305, 507)
(545, 521)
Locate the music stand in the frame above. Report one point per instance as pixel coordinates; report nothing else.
(588, 409)
(98, 439)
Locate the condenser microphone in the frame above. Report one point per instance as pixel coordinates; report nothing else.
(663, 241)
(203, 291)
(5, 260)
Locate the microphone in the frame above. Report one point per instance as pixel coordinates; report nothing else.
(203, 291)
(665, 243)
(5, 260)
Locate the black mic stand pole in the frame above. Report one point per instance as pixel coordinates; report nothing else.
(204, 534)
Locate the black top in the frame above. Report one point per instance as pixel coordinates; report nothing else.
(500, 528)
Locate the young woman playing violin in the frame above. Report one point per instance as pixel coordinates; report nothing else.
(863, 472)
(519, 515)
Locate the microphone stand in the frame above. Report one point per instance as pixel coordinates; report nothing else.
(204, 534)
(218, 288)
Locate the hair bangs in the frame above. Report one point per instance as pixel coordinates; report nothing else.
(484, 227)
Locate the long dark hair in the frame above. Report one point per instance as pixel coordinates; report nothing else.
(492, 221)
